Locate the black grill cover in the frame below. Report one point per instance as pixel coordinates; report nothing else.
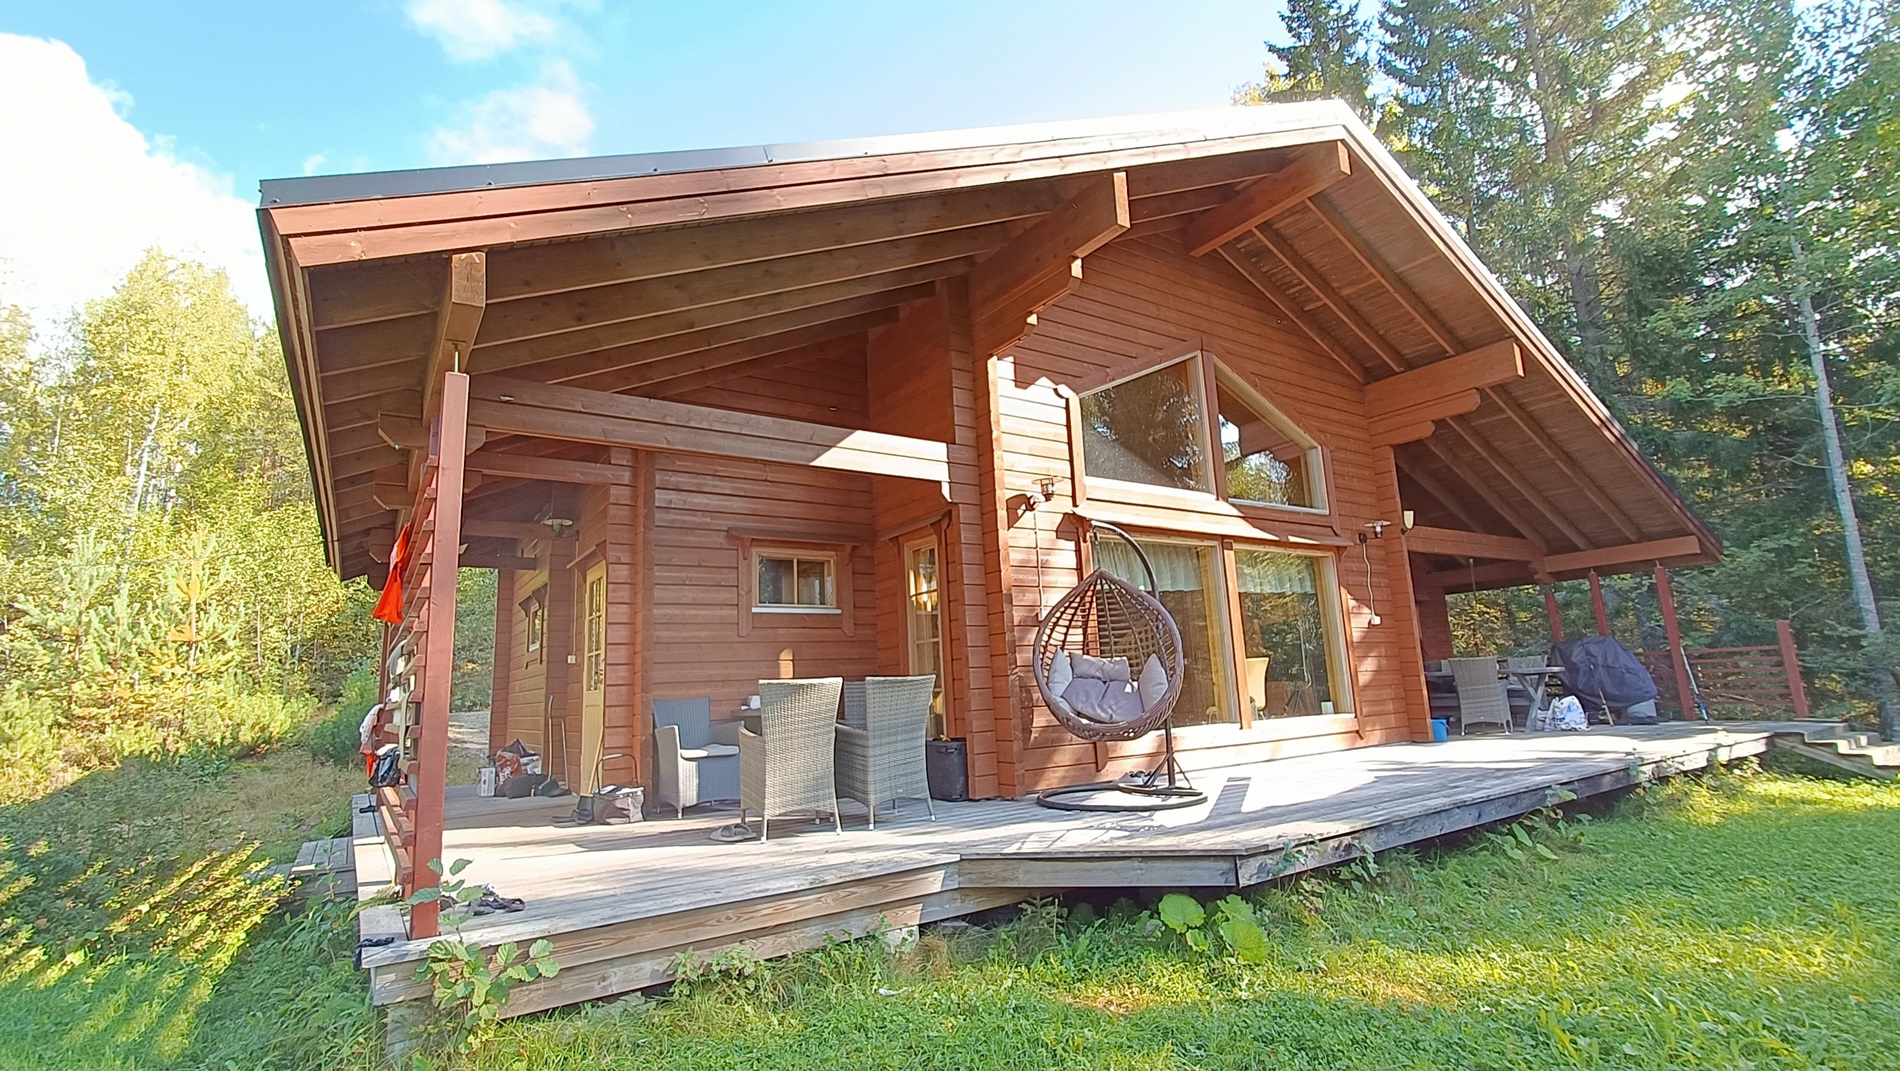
(1600, 671)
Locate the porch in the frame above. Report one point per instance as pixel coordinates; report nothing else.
(623, 903)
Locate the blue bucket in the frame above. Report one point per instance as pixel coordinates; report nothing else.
(1441, 730)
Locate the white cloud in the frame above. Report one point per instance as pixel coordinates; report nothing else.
(83, 193)
(314, 163)
(544, 119)
(478, 29)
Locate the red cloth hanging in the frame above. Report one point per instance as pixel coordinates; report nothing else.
(389, 607)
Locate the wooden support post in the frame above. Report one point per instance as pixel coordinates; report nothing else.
(1666, 600)
(1434, 623)
(438, 666)
(1596, 605)
(1556, 619)
(501, 679)
(1791, 662)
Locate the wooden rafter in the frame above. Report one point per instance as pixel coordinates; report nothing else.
(1403, 408)
(1291, 309)
(1040, 265)
(1491, 498)
(632, 377)
(1524, 487)
(1376, 267)
(1315, 169)
(684, 382)
(850, 271)
(550, 469)
(1310, 278)
(676, 342)
(1605, 503)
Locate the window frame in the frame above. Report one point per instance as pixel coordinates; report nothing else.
(1335, 618)
(1206, 375)
(797, 555)
(534, 611)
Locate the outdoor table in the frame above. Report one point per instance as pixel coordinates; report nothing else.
(1534, 681)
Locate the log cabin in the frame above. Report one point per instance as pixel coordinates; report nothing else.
(855, 408)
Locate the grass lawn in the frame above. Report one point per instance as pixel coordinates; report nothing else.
(1741, 920)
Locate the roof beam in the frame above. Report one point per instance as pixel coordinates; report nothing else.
(1491, 498)
(597, 306)
(402, 226)
(608, 338)
(1430, 485)
(588, 416)
(1310, 278)
(1402, 408)
(1460, 544)
(1044, 263)
(1606, 504)
(1323, 338)
(1314, 170)
(460, 317)
(1630, 554)
(1377, 268)
(1524, 487)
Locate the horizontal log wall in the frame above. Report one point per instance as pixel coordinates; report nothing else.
(704, 638)
(1140, 297)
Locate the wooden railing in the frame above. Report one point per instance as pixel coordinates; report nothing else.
(1736, 682)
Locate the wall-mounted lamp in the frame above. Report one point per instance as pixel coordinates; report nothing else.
(558, 525)
(1044, 494)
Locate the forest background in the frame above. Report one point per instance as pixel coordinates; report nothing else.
(1699, 202)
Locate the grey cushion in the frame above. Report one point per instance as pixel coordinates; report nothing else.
(710, 751)
(1101, 669)
(1153, 685)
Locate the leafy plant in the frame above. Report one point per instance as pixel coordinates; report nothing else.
(469, 987)
(1232, 929)
(738, 968)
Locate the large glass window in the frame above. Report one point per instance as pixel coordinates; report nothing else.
(1264, 462)
(1184, 572)
(1147, 430)
(1288, 633)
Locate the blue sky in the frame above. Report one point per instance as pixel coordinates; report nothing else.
(175, 111)
(257, 88)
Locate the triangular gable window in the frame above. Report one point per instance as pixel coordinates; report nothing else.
(1152, 429)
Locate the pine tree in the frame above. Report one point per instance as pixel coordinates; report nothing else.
(1327, 55)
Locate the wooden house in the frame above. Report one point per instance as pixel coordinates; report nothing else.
(853, 408)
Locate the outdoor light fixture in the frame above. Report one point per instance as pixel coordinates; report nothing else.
(559, 525)
(1044, 493)
(1365, 554)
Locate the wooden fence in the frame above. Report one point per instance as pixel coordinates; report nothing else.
(1736, 682)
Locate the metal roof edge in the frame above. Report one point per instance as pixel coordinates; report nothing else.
(1156, 128)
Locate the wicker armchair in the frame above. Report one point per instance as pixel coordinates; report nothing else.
(786, 767)
(1481, 696)
(881, 757)
(695, 760)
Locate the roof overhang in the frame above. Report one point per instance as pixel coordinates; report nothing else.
(647, 274)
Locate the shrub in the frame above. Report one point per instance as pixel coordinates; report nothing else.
(337, 738)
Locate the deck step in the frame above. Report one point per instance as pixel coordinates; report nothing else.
(1833, 745)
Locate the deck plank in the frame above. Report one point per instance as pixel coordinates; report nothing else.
(622, 903)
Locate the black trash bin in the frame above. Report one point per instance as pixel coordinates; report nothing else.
(947, 766)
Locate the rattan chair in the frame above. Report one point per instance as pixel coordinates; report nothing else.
(787, 767)
(695, 761)
(1481, 696)
(881, 759)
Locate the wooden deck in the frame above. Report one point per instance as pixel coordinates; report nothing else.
(621, 903)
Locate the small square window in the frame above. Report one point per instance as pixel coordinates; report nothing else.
(796, 581)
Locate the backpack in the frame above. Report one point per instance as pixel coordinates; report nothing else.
(386, 770)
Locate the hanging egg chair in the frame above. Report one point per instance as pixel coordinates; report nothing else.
(1109, 666)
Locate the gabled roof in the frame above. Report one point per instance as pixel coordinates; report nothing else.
(655, 274)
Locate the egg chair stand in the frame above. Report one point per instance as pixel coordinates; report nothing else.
(1109, 618)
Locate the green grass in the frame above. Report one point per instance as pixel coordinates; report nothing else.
(1742, 920)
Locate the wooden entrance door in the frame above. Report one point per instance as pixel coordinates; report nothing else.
(923, 584)
(593, 674)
